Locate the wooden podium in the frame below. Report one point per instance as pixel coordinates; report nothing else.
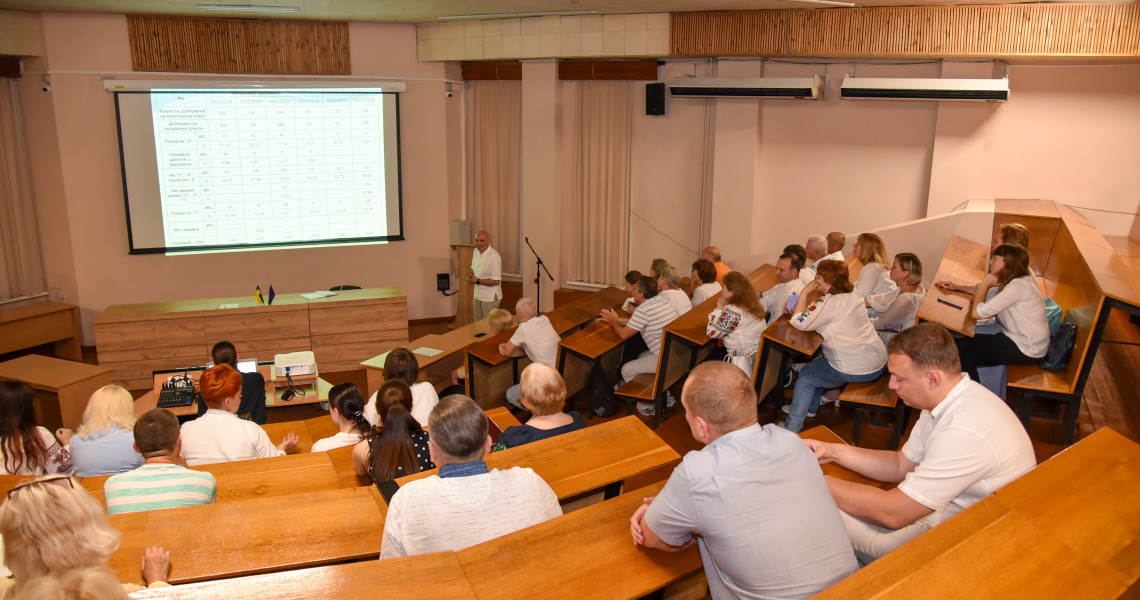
(464, 314)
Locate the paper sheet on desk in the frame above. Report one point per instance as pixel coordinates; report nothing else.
(221, 306)
(424, 350)
(318, 294)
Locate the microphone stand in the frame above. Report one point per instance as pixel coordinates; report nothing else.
(538, 264)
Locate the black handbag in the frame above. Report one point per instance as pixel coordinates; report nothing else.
(1060, 348)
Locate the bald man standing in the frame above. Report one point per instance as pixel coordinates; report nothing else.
(487, 275)
(712, 254)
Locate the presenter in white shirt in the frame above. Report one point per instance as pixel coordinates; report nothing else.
(219, 435)
(487, 275)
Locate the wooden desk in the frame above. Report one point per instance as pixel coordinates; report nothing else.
(436, 368)
(588, 459)
(435, 576)
(7, 482)
(1088, 497)
(782, 337)
(137, 339)
(823, 434)
(1067, 529)
(964, 263)
(585, 554)
(29, 325)
(578, 351)
(258, 478)
(62, 386)
(149, 400)
(256, 536)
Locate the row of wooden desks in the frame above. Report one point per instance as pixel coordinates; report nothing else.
(1068, 529)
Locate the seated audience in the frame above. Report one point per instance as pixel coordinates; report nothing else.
(649, 319)
(219, 435)
(397, 445)
(498, 321)
(874, 278)
(669, 288)
(26, 448)
(712, 254)
(535, 338)
(657, 266)
(104, 444)
(967, 444)
(1012, 233)
(401, 364)
(465, 504)
(631, 279)
(774, 302)
(852, 351)
(544, 395)
(705, 285)
(835, 243)
(252, 384)
(898, 308)
(1019, 307)
(346, 409)
(164, 481)
(738, 320)
(57, 542)
(752, 499)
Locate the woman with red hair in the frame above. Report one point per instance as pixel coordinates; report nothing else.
(852, 350)
(219, 435)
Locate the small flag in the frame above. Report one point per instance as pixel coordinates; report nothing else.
(271, 294)
(257, 295)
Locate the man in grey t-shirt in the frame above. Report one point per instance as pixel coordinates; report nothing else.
(754, 499)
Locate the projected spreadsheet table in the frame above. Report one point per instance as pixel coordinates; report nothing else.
(269, 167)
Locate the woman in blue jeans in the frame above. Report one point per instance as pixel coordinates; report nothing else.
(852, 351)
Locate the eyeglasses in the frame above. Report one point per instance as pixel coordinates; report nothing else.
(53, 479)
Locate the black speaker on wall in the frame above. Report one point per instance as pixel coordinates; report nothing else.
(655, 99)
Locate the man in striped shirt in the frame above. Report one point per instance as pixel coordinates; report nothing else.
(163, 481)
(652, 314)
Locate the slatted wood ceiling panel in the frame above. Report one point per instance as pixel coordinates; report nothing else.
(198, 45)
(1103, 30)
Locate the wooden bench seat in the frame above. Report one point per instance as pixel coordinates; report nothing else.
(876, 397)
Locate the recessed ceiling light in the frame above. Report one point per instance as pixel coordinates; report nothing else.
(553, 13)
(249, 8)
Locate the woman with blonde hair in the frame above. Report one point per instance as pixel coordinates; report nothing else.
(57, 541)
(852, 351)
(897, 309)
(104, 444)
(543, 393)
(874, 278)
(738, 319)
(26, 448)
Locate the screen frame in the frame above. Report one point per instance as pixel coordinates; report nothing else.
(137, 87)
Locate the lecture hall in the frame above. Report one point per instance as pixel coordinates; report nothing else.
(519, 299)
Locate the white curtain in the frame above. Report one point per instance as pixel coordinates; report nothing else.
(21, 262)
(493, 181)
(599, 231)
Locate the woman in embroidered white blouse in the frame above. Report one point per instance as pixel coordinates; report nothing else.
(738, 320)
(897, 308)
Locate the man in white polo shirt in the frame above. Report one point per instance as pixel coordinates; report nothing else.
(649, 319)
(534, 338)
(487, 275)
(967, 444)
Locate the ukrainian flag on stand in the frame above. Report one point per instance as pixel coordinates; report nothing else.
(257, 295)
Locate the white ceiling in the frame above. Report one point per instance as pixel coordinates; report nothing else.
(422, 11)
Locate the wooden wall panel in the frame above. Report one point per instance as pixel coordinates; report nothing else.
(202, 45)
(608, 70)
(1102, 30)
(493, 70)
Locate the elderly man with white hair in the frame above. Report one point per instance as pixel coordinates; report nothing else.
(669, 288)
(534, 338)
